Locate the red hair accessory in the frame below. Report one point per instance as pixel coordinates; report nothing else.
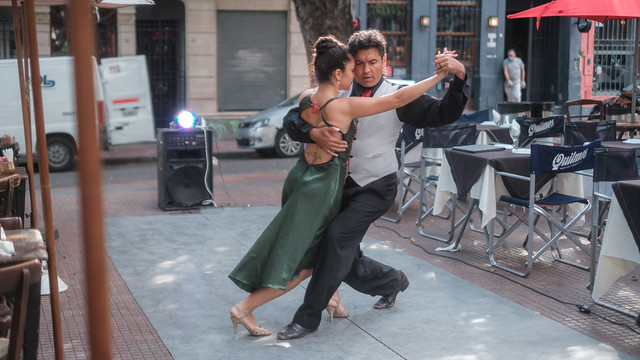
(314, 108)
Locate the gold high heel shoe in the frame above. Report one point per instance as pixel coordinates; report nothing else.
(333, 310)
(257, 331)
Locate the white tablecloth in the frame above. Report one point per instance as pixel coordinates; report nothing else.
(619, 253)
(489, 188)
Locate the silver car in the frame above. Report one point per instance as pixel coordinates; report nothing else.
(263, 132)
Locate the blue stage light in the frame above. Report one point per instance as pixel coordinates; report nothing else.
(186, 119)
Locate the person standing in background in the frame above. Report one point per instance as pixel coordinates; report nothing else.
(513, 68)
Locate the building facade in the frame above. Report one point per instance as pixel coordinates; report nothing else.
(228, 58)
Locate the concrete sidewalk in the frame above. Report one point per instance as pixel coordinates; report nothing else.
(169, 292)
(176, 269)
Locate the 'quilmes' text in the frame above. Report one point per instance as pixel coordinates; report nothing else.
(538, 128)
(561, 161)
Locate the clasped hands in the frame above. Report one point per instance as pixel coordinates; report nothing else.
(446, 61)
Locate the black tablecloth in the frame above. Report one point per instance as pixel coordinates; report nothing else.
(466, 169)
(619, 145)
(628, 195)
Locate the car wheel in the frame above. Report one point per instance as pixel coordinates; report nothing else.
(60, 153)
(286, 147)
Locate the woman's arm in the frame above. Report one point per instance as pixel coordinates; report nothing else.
(361, 107)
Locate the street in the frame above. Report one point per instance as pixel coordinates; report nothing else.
(235, 164)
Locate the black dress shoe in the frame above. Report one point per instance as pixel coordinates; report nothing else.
(387, 302)
(293, 331)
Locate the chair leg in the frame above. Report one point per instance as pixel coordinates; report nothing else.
(532, 255)
(473, 204)
(453, 223)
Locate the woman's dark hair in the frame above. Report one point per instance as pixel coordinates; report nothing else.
(367, 39)
(329, 55)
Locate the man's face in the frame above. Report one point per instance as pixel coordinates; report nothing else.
(369, 66)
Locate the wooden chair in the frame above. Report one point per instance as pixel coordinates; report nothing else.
(16, 279)
(7, 185)
(580, 103)
(11, 223)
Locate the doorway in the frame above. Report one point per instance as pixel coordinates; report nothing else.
(160, 34)
(538, 49)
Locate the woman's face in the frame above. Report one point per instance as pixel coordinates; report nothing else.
(347, 75)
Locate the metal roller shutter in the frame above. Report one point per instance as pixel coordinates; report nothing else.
(251, 53)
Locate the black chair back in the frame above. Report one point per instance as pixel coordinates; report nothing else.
(451, 135)
(579, 132)
(561, 159)
(532, 128)
(616, 164)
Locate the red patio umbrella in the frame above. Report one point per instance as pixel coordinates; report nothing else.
(597, 10)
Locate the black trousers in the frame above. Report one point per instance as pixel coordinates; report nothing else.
(340, 257)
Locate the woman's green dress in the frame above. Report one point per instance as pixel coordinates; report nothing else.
(310, 200)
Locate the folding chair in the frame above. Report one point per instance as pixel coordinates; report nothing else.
(579, 132)
(16, 280)
(609, 165)
(434, 140)
(528, 129)
(410, 138)
(546, 160)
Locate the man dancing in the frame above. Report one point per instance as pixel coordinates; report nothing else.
(371, 184)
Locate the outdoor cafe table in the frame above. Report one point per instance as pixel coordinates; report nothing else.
(475, 174)
(486, 135)
(620, 251)
(28, 245)
(631, 128)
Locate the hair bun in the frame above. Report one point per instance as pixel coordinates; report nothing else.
(324, 44)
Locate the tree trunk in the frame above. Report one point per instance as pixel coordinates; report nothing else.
(323, 17)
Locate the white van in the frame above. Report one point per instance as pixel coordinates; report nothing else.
(127, 99)
(122, 93)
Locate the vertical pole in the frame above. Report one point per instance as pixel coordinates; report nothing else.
(45, 185)
(634, 81)
(26, 113)
(82, 45)
(527, 90)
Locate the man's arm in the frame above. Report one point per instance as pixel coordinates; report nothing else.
(299, 130)
(428, 111)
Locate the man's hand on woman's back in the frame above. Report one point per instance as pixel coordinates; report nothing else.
(325, 138)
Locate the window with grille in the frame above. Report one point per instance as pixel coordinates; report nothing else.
(59, 35)
(456, 29)
(613, 56)
(391, 18)
(7, 40)
(106, 32)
